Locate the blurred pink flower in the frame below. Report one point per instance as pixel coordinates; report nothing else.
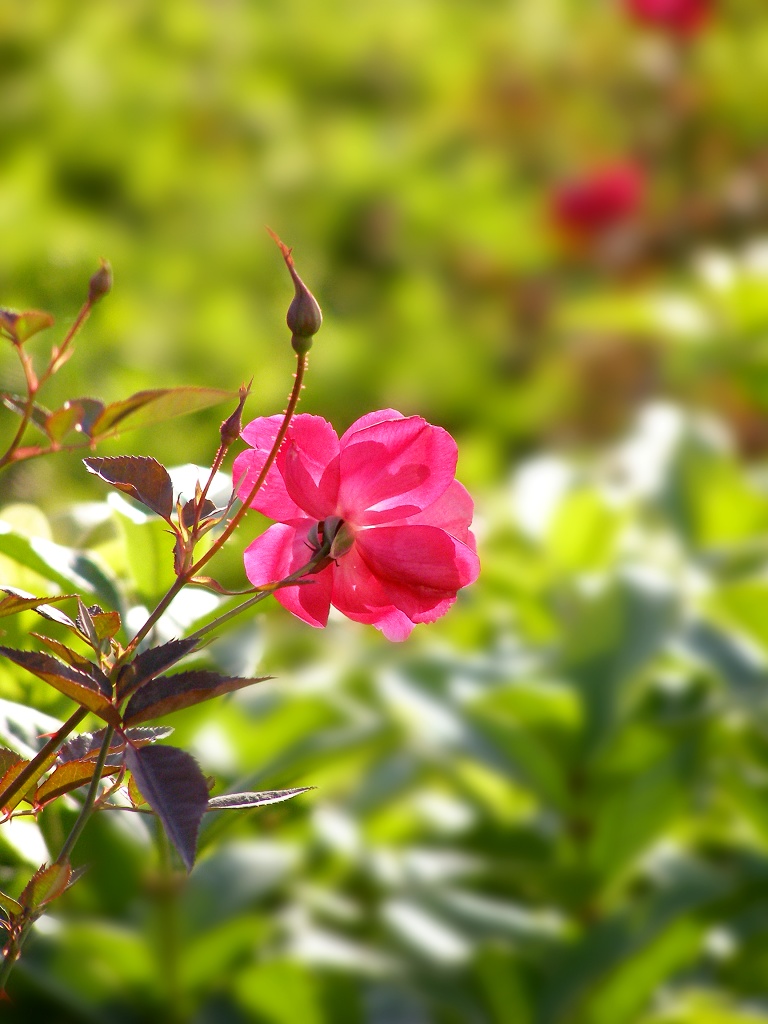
(682, 17)
(385, 495)
(586, 207)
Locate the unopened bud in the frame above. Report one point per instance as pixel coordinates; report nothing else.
(101, 282)
(304, 317)
(232, 425)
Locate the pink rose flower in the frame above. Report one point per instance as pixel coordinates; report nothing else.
(588, 206)
(682, 17)
(384, 494)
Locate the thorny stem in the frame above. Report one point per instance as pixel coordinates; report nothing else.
(181, 581)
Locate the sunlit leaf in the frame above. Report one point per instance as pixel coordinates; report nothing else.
(67, 777)
(64, 420)
(146, 408)
(241, 801)
(19, 600)
(46, 884)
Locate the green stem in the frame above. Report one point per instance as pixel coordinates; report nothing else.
(90, 798)
(169, 932)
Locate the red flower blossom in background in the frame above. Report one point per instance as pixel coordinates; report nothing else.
(586, 207)
(384, 495)
(682, 17)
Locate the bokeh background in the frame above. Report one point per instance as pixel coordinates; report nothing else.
(544, 226)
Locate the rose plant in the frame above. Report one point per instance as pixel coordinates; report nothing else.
(373, 523)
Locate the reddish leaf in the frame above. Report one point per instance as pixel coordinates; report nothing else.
(140, 476)
(20, 326)
(148, 664)
(188, 512)
(164, 694)
(88, 744)
(67, 777)
(171, 782)
(156, 406)
(88, 689)
(241, 801)
(91, 408)
(45, 885)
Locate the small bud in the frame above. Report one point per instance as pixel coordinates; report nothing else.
(304, 316)
(232, 425)
(101, 282)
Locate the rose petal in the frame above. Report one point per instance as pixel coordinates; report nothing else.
(312, 442)
(380, 416)
(393, 469)
(451, 512)
(418, 556)
(359, 595)
(279, 551)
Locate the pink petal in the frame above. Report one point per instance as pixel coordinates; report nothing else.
(422, 557)
(452, 512)
(313, 445)
(277, 553)
(368, 420)
(393, 469)
(313, 487)
(358, 594)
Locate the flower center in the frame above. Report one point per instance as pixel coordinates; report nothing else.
(333, 534)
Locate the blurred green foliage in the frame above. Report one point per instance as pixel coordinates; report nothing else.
(550, 807)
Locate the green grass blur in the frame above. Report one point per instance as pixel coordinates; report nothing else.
(550, 807)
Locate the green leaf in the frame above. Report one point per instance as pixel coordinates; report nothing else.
(64, 420)
(47, 883)
(146, 408)
(20, 326)
(67, 567)
(9, 905)
(18, 403)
